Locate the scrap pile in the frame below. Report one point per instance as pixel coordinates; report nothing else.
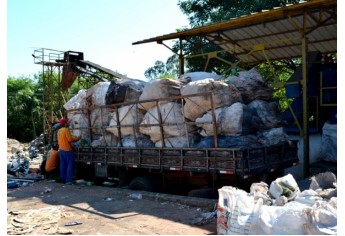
(23, 161)
(185, 112)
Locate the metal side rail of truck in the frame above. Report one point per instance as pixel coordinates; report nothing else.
(179, 170)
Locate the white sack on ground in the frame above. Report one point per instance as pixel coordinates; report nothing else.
(200, 75)
(97, 93)
(175, 142)
(268, 112)
(251, 85)
(156, 89)
(129, 116)
(172, 120)
(286, 186)
(328, 150)
(238, 213)
(323, 181)
(79, 124)
(78, 101)
(223, 95)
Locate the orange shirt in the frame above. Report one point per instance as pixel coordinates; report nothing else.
(65, 139)
(52, 161)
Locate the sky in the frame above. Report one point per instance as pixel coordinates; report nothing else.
(103, 30)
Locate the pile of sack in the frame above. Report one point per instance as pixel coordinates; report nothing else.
(184, 112)
(280, 208)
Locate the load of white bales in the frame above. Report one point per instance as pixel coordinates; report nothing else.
(237, 109)
(129, 116)
(222, 95)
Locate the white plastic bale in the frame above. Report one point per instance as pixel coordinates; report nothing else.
(250, 78)
(172, 120)
(78, 101)
(99, 120)
(272, 136)
(156, 89)
(231, 119)
(134, 89)
(223, 95)
(228, 121)
(97, 93)
(205, 123)
(251, 85)
(328, 151)
(128, 115)
(175, 142)
(201, 75)
(137, 141)
(268, 112)
(107, 140)
(79, 124)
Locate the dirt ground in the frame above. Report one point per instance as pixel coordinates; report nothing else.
(45, 207)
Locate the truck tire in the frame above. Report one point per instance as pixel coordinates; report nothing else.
(99, 180)
(86, 172)
(144, 183)
(208, 193)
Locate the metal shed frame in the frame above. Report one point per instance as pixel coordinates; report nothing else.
(284, 32)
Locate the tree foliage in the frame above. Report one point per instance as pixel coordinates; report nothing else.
(25, 113)
(205, 12)
(24, 108)
(163, 70)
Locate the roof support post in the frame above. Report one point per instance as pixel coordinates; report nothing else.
(305, 106)
(181, 59)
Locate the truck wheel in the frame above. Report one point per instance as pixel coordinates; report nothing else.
(208, 193)
(86, 172)
(99, 180)
(144, 183)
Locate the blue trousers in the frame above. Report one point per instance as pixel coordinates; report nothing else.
(66, 166)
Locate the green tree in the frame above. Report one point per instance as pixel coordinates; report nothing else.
(26, 113)
(24, 109)
(203, 12)
(163, 70)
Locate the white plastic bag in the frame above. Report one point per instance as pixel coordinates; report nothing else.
(286, 186)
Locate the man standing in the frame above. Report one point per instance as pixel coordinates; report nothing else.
(65, 140)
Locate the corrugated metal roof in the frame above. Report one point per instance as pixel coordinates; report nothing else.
(277, 32)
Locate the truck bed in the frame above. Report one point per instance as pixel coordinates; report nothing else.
(244, 162)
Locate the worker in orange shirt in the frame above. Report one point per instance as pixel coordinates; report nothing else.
(52, 163)
(65, 140)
